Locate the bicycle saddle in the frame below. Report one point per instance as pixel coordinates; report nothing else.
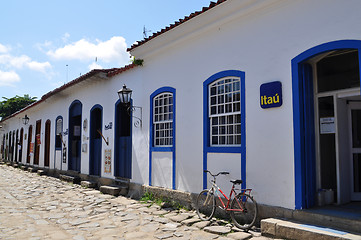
(238, 181)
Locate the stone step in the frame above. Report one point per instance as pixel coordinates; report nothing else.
(32, 169)
(41, 172)
(68, 178)
(277, 228)
(24, 167)
(88, 184)
(114, 190)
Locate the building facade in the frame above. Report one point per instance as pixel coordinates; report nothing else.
(267, 90)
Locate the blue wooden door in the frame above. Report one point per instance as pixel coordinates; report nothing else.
(123, 142)
(124, 157)
(95, 141)
(75, 116)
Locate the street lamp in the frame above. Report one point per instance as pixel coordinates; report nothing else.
(125, 97)
(25, 119)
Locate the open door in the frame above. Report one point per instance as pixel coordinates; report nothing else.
(123, 142)
(75, 117)
(95, 144)
(355, 150)
(47, 144)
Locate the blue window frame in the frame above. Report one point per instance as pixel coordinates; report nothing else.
(162, 126)
(224, 117)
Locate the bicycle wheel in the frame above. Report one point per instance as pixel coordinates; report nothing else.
(244, 211)
(205, 205)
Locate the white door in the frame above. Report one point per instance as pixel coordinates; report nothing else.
(355, 153)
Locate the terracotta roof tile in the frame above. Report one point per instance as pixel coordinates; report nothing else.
(109, 73)
(177, 23)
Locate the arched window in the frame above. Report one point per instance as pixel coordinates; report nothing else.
(163, 120)
(224, 105)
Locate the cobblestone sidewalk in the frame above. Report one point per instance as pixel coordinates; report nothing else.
(43, 207)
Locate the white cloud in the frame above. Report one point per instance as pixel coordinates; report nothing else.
(23, 61)
(44, 46)
(4, 49)
(8, 78)
(66, 37)
(113, 50)
(38, 66)
(94, 66)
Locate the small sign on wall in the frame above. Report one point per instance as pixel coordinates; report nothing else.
(107, 160)
(327, 125)
(64, 155)
(271, 95)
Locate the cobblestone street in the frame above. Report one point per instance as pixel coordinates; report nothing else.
(43, 207)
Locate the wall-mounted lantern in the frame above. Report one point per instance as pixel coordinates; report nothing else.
(25, 119)
(125, 96)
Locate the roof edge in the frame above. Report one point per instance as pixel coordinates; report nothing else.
(109, 73)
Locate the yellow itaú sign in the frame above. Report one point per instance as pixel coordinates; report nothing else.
(271, 95)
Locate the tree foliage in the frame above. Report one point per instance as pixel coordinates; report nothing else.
(14, 104)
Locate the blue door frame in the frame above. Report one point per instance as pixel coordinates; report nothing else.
(74, 142)
(303, 120)
(95, 143)
(123, 142)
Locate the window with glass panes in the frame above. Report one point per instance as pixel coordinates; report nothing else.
(225, 112)
(163, 120)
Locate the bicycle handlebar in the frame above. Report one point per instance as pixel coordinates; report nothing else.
(215, 175)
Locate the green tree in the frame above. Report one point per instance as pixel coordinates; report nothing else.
(14, 104)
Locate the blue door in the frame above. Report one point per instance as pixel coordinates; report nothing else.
(123, 142)
(95, 140)
(74, 146)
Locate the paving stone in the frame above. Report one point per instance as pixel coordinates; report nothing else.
(165, 236)
(217, 229)
(161, 220)
(239, 235)
(180, 217)
(41, 222)
(191, 221)
(136, 235)
(202, 224)
(76, 222)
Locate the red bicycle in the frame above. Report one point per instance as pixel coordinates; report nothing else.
(242, 208)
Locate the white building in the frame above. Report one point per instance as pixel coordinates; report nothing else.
(268, 90)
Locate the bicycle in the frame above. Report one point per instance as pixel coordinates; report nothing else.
(243, 208)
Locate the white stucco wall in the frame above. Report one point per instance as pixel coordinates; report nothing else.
(258, 39)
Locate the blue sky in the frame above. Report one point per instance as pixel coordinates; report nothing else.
(45, 43)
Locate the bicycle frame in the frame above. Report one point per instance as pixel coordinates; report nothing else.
(225, 207)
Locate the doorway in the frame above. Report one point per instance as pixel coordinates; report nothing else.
(95, 144)
(123, 142)
(16, 145)
(21, 144)
(325, 80)
(37, 142)
(354, 114)
(47, 144)
(75, 118)
(29, 150)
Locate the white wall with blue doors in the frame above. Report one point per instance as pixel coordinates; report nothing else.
(253, 41)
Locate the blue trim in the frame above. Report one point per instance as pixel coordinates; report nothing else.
(92, 165)
(301, 177)
(151, 133)
(207, 148)
(56, 121)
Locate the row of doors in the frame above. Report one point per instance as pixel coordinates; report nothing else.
(15, 145)
(122, 140)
